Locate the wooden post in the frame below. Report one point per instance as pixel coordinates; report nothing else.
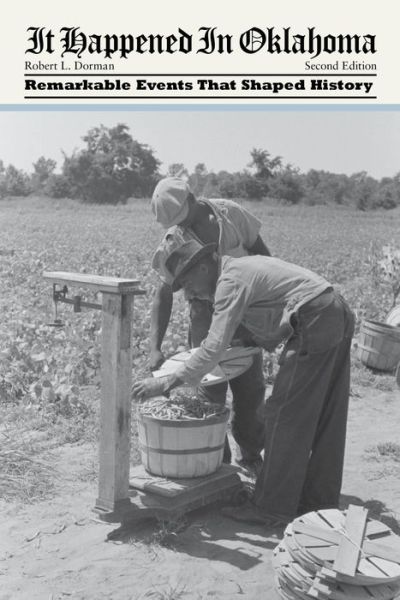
(116, 376)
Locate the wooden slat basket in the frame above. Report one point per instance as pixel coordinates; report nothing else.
(393, 317)
(329, 554)
(182, 448)
(379, 345)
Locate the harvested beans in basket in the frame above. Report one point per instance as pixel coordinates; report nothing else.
(181, 405)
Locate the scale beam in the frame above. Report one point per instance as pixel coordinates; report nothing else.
(100, 283)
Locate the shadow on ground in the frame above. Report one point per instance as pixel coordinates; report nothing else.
(205, 533)
(376, 510)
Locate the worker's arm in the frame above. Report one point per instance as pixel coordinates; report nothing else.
(231, 299)
(259, 247)
(230, 303)
(160, 315)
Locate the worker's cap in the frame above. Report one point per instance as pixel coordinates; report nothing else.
(170, 201)
(184, 257)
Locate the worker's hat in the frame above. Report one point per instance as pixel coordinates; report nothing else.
(170, 201)
(183, 258)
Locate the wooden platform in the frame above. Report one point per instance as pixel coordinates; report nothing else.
(168, 499)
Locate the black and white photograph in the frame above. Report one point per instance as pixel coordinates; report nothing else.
(200, 350)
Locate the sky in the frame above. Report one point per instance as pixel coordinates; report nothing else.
(337, 141)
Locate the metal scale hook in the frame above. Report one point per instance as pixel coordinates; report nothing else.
(60, 295)
(56, 298)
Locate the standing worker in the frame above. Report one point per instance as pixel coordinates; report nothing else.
(235, 232)
(275, 301)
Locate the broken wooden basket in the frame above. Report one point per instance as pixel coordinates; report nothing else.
(338, 555)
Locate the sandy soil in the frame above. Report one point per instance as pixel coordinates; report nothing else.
(57, 549)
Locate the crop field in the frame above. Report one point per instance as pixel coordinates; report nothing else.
(50, 384)
(48, 373)
(38, 234)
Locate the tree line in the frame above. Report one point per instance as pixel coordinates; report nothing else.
(113, 167)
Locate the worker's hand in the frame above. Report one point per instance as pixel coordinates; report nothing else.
(156, 359)
(153, 386)
(147, 388)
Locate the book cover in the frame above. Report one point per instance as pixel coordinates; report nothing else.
(291, 110)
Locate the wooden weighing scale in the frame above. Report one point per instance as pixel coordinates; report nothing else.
(170, 497)
(126, 494)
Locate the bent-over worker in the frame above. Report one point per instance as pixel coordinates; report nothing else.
(236, 232)
(275, 301)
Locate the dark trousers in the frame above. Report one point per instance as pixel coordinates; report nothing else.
(306, 414)
(248, 391)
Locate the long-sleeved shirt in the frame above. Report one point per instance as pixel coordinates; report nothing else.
(259, 293)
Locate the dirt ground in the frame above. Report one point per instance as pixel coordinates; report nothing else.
(58, 550)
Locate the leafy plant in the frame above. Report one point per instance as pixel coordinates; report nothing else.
(386, 269)
(390, 449)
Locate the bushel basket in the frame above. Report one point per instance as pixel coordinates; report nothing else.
(379, 345)
(182, 448)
